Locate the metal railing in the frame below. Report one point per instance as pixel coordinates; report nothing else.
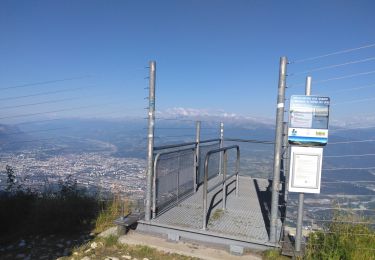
(225, 178)
(176, 173)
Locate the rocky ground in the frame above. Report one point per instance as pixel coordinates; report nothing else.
(82, 247)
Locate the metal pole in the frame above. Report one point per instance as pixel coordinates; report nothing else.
(197, 146)
(221, 145)
(237, 171)
(205, 192)
(286, 160)
(277, 151)
(301, 195)
(178, 177)
(225, 159)
(150, 145)
(154, 185)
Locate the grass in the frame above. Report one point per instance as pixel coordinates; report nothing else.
(346, 237)
(217, 214)
(274, 254)
(111, 211)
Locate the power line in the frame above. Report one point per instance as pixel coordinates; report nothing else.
(334, 208)
(44, 82)
(349, 142)
(339, 169)
(332, 66)
(350, 182)
(354, 101)
(334, 53)
(337, 78)
(40, 103)
(43, 93)
(355, 88)
(349, 155)
(354, 128)
(54, 111)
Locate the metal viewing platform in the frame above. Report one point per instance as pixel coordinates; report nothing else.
(199, 195)
(242, 223)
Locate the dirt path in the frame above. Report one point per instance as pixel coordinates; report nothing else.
(183, 248)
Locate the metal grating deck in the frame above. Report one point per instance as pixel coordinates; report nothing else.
(243, 219)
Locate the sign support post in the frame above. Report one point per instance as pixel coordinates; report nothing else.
(301, 195)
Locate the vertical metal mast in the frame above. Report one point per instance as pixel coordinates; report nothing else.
(278, 149)
(150, 145)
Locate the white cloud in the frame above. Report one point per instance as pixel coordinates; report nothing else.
(210, 114)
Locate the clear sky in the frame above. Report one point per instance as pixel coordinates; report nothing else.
(211, 55)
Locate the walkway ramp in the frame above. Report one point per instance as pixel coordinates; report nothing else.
(244, 222)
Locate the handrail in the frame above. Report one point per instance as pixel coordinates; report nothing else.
(156, 160)
(225, 178)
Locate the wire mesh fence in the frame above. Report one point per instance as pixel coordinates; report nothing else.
(173, 178)
(214, 162)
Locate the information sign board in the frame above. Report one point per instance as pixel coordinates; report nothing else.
(308, 120)
(305, 169)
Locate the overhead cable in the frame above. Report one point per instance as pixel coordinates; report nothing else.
(334, 53)
(332, 66)
(44, 82)
(354, 101)
(336, 78)
(354, 141)
(339, 169)
(352, 128)
(43, 93)
(54, 111)
(355, 88)
(349, 155)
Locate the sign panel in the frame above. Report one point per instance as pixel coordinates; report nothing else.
(305, 169)
(308, 120)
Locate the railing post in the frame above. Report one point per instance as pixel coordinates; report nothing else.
(178, 177)
(154, 186)
(150, 145)
(237, 171)
(277, 151)
(225, 159)
(196, 159)
(221, 145)
(205, 192)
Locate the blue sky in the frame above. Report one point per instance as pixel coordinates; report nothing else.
(211, 55)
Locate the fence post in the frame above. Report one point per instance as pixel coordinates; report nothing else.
(301, 195)
(196, 162)
(277, 151)
(221, 145)
(150, 144)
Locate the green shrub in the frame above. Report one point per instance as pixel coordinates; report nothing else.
(346, 237)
